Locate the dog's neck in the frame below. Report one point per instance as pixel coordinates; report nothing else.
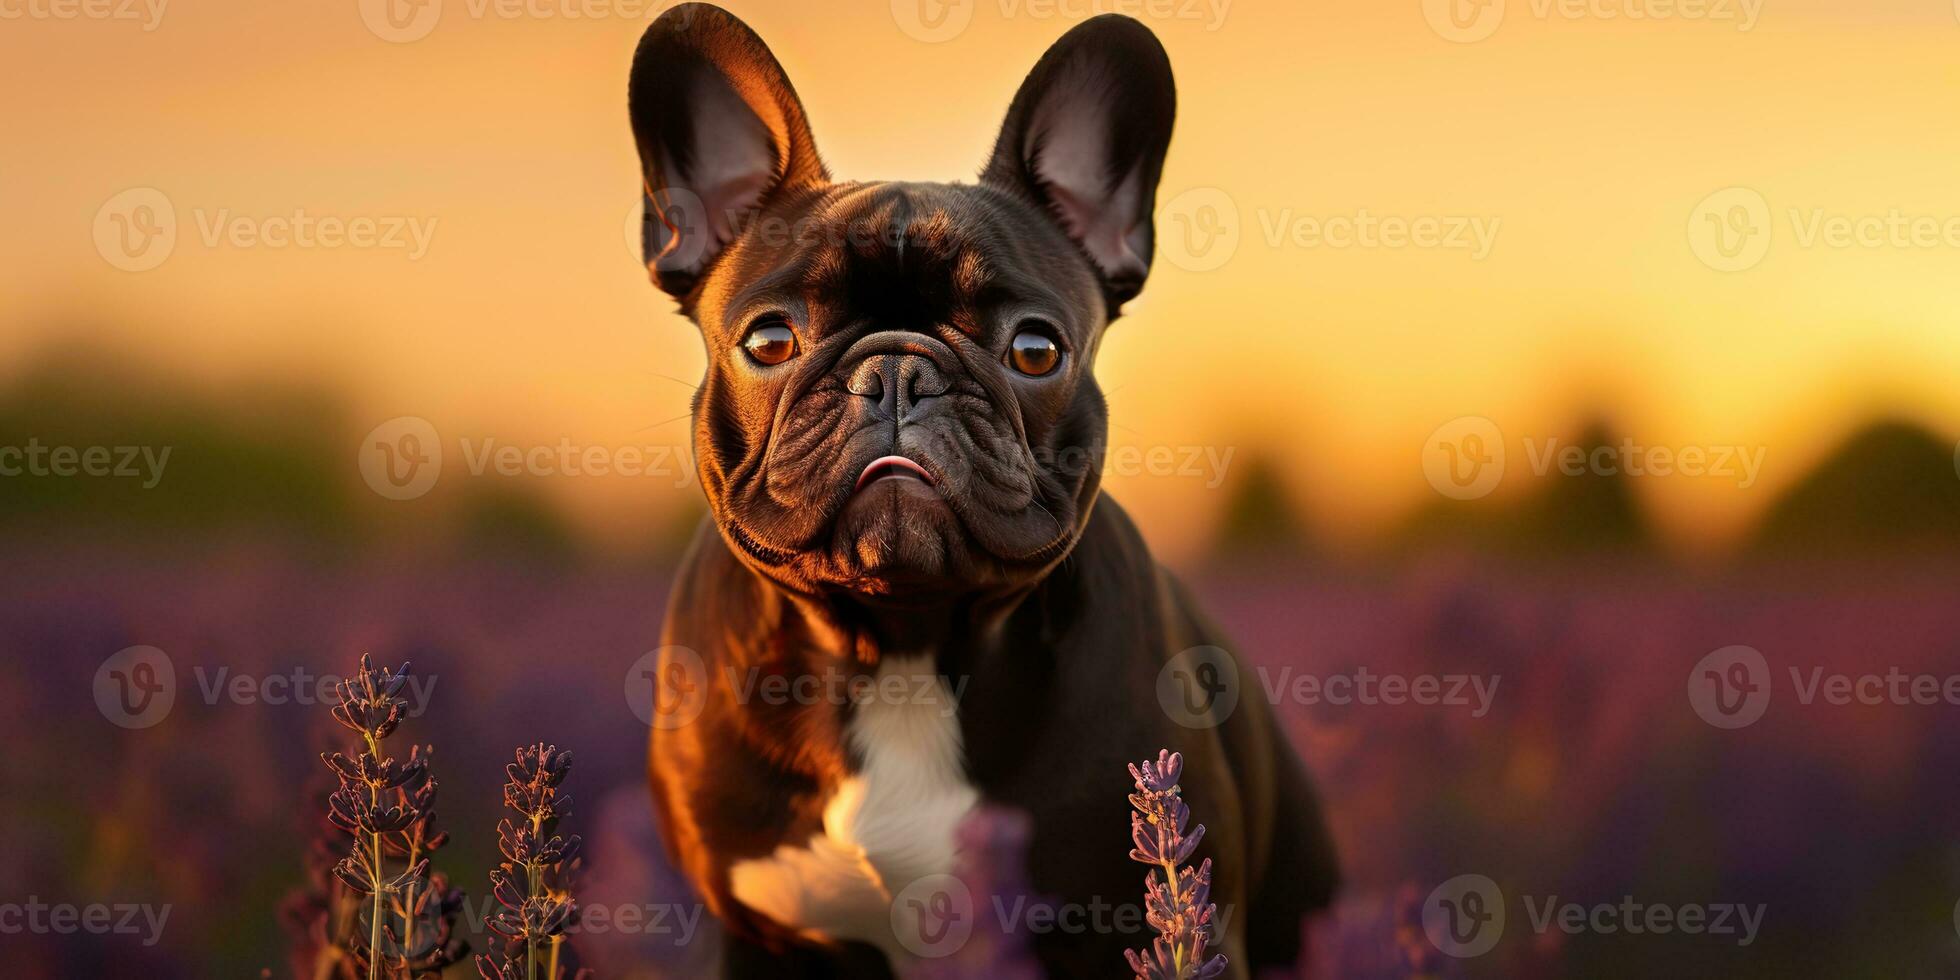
(873, 629)
(865, 629)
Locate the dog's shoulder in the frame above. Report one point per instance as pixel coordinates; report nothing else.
(710, 584)
(1111, 558)
(1113, 566)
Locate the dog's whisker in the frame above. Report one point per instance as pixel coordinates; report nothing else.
(1051, 516)
(678, 381)
(671, 421)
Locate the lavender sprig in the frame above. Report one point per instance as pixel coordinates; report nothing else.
(388, 808)
(991, 861)
(533, 883)
(1178, 905)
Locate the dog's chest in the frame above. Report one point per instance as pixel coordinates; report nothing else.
(884, 827)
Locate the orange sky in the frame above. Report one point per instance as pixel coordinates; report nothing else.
(1585, 141)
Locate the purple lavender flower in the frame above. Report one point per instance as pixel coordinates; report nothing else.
(388, 807)
(1178, 905)
(992, 862)
(533, 884)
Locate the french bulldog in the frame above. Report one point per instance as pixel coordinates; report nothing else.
(909, 599)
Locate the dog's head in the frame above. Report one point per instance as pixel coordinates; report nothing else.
(898, 399)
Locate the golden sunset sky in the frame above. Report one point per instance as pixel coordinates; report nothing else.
(1584, 143)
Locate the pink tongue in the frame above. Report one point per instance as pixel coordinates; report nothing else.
(885, 466)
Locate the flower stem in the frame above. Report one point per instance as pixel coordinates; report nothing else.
(1177, 901)
(408, 900)
(534, 874)
(374, 925)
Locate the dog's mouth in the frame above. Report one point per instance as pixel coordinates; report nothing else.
(892, 468)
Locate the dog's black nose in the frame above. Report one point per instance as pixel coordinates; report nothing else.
(901, 386)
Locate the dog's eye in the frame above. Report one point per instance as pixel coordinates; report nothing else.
(1034, 353)
(770, 342)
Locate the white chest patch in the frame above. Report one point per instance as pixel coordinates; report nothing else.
(884, 827)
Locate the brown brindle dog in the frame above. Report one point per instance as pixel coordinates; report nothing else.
(910, 599)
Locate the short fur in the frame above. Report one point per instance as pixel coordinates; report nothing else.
(1003, 574)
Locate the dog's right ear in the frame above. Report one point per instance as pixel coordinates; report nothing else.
(720, 130)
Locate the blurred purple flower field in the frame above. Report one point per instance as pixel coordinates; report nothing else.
(1590, 778)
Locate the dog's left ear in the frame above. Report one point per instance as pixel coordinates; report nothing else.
(1086, 137)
